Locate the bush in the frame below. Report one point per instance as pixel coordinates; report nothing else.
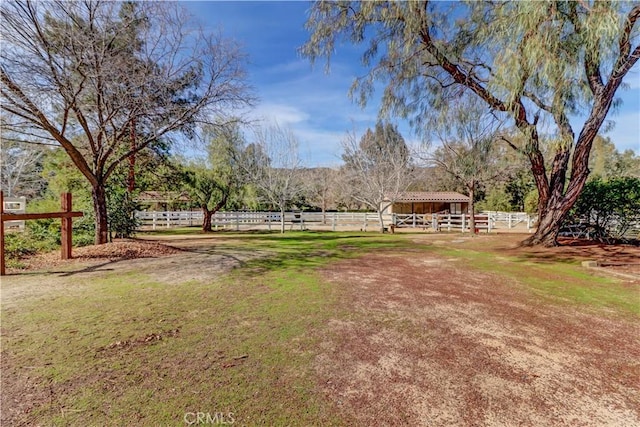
(612, 206)
(20, 245)
(121, 209)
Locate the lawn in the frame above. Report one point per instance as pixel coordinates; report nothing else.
(314, 329)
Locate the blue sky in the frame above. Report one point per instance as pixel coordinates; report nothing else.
(315, 104)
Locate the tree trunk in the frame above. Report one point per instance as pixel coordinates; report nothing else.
(381, 221)
(206, 221)
(282, 220)
(324, 211)
(472, 216)
(100, 210)
(550, 220)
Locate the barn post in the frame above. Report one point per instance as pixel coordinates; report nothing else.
(2, 266)
(66, 232)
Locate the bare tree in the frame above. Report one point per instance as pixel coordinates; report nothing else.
(468, 134)
(82, 75)
(377, 168)
(20, 169)
(320, 188)
(272, 165)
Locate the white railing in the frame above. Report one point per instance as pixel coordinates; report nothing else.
(14, 205)
(269, 220)
(488, 221)
(450, 222)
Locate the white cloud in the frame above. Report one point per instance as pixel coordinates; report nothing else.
(283, 114)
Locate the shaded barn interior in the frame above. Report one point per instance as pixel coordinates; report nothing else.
(427, 202)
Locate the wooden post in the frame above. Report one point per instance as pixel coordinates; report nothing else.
(66, 231)
(66, 236)
(2, 266)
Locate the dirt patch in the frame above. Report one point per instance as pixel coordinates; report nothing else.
(429, 343)
(172, 261)
(120, 249)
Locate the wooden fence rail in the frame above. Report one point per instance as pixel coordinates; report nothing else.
(488, 221)
(67, 227)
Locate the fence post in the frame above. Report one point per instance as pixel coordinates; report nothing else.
(155, 219)
(168, 219)
(67, 228)
(448, 222)
(464, 225)
(414, 220)
(509, 220)
(489, 222)
(333, 222)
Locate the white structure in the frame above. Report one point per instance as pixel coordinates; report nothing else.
(14, 205)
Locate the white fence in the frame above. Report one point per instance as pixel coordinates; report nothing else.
(488, 221)
(14, 205)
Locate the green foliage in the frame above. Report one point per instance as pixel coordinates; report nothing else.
(611, 206)
(62, 177)
(121, 208)
(495, 200)
(531, 202)
(219, 179)
(20, 245)
(525, 60)
(607, 162)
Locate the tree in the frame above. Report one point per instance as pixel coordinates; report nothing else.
(607, 162)
(536, 63)
(213, 183)
(82, 75)
(468, 135)
(20, 169)
(319, 188)
(272, 165)
(612, 207)
(378, 167)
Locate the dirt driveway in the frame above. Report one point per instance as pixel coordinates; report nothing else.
(428, 343)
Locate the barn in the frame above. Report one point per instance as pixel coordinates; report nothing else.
(426, 202)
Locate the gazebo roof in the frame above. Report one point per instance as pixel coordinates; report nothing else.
(432, 196)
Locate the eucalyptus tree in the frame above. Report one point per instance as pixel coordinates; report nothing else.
(377, 168)
(537, 63)
(85, 76)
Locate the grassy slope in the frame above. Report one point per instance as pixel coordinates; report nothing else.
(240, 343)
